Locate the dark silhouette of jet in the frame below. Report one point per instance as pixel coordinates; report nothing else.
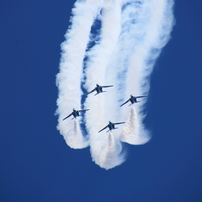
(111, 126)
(133, 99)
(99, 89)
(75, 113)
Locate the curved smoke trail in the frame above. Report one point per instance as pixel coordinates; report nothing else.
(95, 72)
(71, 64)
(132, 34)
(111, 153)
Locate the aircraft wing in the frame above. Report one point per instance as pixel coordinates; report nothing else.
(103, 128)
(106, 86)
(82, 110)
(67, 117)
(119, 123)
(141, 96)
(91, 91)
(125, 102)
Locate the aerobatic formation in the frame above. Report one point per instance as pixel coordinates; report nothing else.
(113, 43)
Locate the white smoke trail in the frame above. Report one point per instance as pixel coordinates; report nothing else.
(111, 153)
(154, 24)
(69, 78)
(132, 34)
(145, 30)
(133, 131)
(95, 73)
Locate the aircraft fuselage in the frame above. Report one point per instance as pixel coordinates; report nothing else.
(111, 125)
(75, 113)
(133, 99)
(99, 89)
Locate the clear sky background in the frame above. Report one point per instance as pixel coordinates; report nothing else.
(35, 162)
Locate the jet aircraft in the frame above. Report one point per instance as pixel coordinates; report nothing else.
(75, 113)
(111, 126)
(99, 89)
(133, 99)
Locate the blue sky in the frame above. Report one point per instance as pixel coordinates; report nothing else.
(35, 162)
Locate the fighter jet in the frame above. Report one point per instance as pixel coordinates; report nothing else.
(75, 113)
(99, 89)
(133, 99)
(111, 126)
